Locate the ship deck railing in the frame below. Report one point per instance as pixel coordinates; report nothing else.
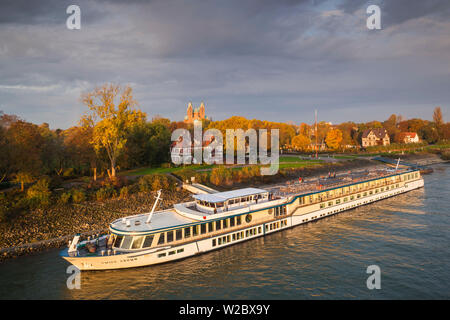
(317, 185)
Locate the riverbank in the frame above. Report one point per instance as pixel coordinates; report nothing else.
(53, 227)
(41, 229)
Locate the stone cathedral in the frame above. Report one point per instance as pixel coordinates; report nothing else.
(195, 114)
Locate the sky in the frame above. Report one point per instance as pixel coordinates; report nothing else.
(260, 59)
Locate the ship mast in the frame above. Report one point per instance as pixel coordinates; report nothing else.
(317, 146)
(398, 162)
(154, 206)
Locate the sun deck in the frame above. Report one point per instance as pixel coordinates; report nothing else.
(228, 200)
(160, 220)
(295, 188)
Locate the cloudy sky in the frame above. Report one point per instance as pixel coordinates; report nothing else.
(270, 60)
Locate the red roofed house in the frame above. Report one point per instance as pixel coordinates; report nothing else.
(408, 137)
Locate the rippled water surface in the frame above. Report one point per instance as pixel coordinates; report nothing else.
(408, 237)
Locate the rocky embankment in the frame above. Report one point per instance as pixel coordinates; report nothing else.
(55, 226)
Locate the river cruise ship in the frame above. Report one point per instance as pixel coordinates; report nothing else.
(216, 220)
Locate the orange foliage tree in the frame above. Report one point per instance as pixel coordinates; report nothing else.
(334, 139)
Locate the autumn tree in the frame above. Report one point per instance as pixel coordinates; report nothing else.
(437, 116)
(5, 154)
(334, 138)
(391, 126)
(438, 120)
(304, 129)
(429, 133)
(301, 142)
(52, 150)
(446, 131)
(111, 115)
(349, 132)
(79, 151)
(25, 147)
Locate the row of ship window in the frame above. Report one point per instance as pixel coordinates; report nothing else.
(140, 242)
(354, 188)
(241, 200)
(163, 254)
(346, 208)
(233, 237)
(359, 195)
(247, 233)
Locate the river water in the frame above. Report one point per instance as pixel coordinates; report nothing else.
(407, 236)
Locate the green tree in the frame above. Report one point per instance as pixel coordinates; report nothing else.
(147, 144)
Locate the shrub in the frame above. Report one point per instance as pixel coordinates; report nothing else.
(220, 175)
(8, 208)
(4, 208)
(65, 197)
(106, 192)
(153, 182)
(78, 195)
(124, 192)
(445, 155)
(116, 182)
(69, 173)
(204, 177)
(39, 193)
(186, 174)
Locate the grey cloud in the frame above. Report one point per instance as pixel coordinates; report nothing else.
(259, 59)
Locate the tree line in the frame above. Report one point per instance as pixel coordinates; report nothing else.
(111, 135)
(114, 134)
(349, 134)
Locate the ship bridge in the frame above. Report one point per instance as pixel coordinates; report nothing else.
(230, 200)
